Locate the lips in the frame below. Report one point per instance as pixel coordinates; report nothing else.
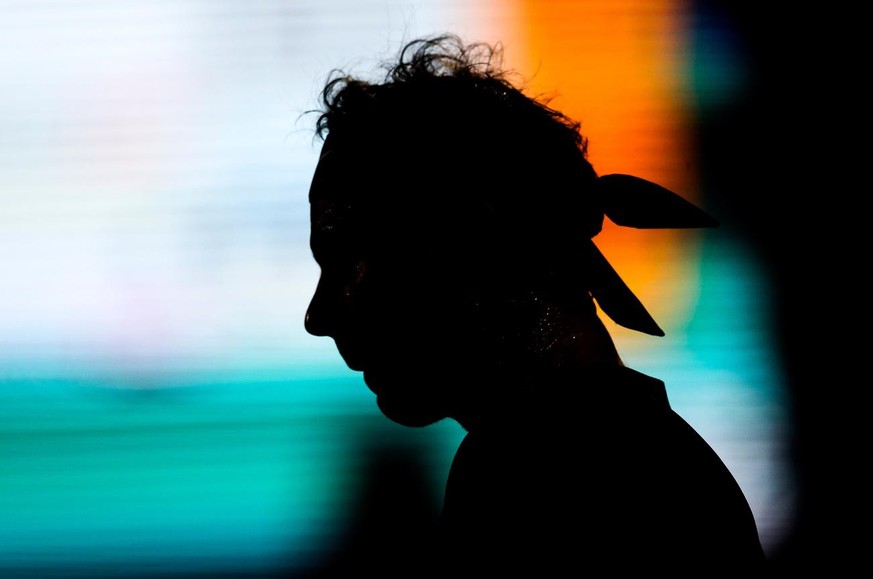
(353, 358)
(372, 384)
(354, 365)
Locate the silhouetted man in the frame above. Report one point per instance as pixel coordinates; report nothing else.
(452, 218)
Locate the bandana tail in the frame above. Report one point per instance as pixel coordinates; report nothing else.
(616, 299)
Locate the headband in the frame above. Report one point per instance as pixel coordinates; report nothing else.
(630, 201)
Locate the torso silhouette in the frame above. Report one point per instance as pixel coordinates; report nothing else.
(453, 220)
(571, 459)
(602, 476)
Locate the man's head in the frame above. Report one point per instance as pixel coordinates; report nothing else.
(446, 141)
(446, 207)
(452, 217)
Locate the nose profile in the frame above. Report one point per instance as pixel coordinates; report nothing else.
(310, 325)
(314, 319)
(322, 315)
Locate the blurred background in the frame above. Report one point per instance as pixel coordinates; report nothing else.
(162, 411)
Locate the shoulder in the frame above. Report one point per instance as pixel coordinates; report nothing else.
(609, 461)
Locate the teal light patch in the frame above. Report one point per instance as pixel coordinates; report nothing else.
(716, 73)
(248, 475)
(723, 375)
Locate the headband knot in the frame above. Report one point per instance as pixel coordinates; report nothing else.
(630, 201)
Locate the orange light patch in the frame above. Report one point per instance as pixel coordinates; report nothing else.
(617, 67)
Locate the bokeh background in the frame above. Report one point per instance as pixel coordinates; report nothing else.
(162, 411)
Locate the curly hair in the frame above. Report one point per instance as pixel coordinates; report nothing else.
(446, 151)
(448, 147)
(452, 119)
(442, 69)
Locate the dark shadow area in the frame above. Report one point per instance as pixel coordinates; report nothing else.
(390, 519)
(772, 171)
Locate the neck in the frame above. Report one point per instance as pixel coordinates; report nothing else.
(550, 347)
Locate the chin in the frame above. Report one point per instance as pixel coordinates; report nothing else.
(409, 413)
